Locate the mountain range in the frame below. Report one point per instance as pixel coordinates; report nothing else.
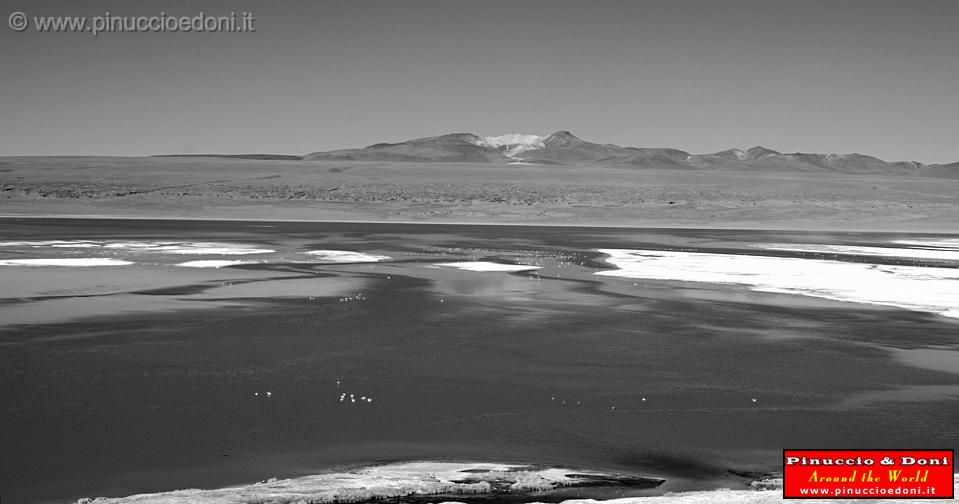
(562, 147)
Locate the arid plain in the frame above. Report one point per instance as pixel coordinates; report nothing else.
(217, 188)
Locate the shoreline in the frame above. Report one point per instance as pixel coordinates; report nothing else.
(641, 489)
(451, 481)
(642, 225)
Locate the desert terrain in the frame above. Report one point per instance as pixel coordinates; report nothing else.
(593, 195)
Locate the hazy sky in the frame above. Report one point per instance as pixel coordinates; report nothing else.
(877, 77)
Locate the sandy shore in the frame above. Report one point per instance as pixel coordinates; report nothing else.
(212, 188)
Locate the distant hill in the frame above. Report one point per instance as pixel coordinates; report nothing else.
(565, 148)
(454, 147)
(284, 157)
(562, 147)
(766, 159)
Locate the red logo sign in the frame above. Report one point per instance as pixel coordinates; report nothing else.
(868, 474)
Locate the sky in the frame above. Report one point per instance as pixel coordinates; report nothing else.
(876, 77)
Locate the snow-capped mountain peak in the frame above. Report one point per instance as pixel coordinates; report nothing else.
(514, 143)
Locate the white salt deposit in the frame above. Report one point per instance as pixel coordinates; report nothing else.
(928, 289)
(484, 266)
(935, 243)
(426, 478)
(345, 256)
(908, 252)
(68, 262)
(368, 483)
(760, 492)
(50, 243)
(188, 248)
(165, 247)
(211, 264)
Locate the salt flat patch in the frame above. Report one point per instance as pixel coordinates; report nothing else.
(213, 263)
(486, 266)
(928, 289)
(932, 243)
(165, 247)
(345, 256)
(81, 262)
(908, 252)
(766, 491)
(188, 248)
(376, 483)
(431, 478)
(50, 243)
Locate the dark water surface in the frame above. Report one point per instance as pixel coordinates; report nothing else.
(142, 378)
